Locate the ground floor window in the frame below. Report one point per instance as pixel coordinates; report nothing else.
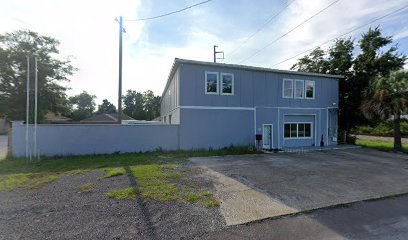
(297, 130)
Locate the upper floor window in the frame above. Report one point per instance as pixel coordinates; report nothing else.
(287, 88)
(310, 89)
(227, 84)
(211, 82)
(299, 88)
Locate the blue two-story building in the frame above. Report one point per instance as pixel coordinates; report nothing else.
(218, 105)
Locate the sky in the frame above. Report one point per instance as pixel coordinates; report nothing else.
(89, 34)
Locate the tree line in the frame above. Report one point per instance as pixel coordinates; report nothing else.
(52, 74)
(138, 105)
(374, 86)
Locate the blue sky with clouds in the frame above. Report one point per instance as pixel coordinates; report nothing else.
(87, 31)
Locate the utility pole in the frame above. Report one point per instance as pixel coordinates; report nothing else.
(120, 71)
(217, 52)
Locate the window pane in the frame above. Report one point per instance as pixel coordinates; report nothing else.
(211, 82)
(293, 130)
(308, 132)
(310, 89)
(227, 83)
(287, 130)
(299, 86)
(301, 130)
(287, 88)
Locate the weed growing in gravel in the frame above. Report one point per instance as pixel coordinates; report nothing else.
(212, 202)
(112, 172)
(21, 173)
(25, 181)
(127, 193)
(86, 188)
(193, 197)
(76, 171)
(153, 182)
(206, 194)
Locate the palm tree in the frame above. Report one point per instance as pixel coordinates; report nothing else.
(387, 97)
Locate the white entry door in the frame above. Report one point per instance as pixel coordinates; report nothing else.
(267, 136)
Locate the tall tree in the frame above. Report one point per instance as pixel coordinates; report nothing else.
(141, 106)
(151, 105)
(388, 97)
(370, 62)
(106, 107)
(84, 106)
(314, 62)
(340, 62)
(14, 49)
(133, 105)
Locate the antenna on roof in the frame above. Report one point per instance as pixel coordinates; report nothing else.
(217, 52)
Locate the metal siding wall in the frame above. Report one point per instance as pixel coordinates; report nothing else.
(252, 89)
(57, 140)
(268, 116)
(290, 115)
(170, 102)
(203, 128)
(260, 90)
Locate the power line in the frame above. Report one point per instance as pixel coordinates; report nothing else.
(169, 13)
(282, 36)
(261, 28)
(353, 30)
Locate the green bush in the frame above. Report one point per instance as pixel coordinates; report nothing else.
(382, 129)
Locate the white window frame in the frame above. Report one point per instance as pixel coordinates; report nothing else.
(303, 89)
(297, 130)
(283, 88)
(221, 84)
(218, 83)
(314, 89)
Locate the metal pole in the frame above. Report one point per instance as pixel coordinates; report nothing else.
(215, 54)
(35, 107)
(120, 71)
(27, 103)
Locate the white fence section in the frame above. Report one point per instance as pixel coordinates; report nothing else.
(80, 139)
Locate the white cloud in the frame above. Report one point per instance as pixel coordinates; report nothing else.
(87, 30)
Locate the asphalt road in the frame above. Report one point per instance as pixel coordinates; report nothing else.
(380, 219)
(3, 146)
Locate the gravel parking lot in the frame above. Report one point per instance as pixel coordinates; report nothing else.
(59, 211)
(250, 187)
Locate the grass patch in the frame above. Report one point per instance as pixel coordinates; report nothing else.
(193, 197)
(113, 172)
(212, 202)
(384, 145)
(25, 181)
(206, 194)
(127, 193)
(153, 182)
(77, 171)
(85, 188)
(155, 172)
(79, 164)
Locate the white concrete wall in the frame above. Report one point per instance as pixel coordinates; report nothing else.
(75, 139)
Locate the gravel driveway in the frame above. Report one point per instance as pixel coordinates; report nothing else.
(59, 211)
